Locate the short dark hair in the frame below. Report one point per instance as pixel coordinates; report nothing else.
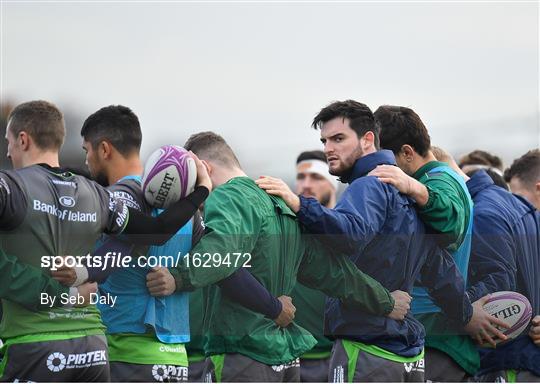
(311, 155)
(211, 146)
(400, 126)
(359, 115)
(479, 157)
(42, 121)
(116, 124)
(526, 168)
(497, 179)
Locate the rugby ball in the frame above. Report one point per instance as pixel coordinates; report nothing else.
(512, 308)
(169, 174)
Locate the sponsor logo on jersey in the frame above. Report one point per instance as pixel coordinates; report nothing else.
(57, 361)
(66, 183)
(127, 198)
(166, 348)
(65, 214)
(122, 216)
(339, 374)
(417, 366)
(68, 313)
(67, 201)
(163, 373)
(282, 367)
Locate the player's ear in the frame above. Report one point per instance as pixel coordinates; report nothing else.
(105, 149)
(208, 167)
(24, 140)
(408, 152)
(367, 141)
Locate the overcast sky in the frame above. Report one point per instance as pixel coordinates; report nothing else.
(258, 72)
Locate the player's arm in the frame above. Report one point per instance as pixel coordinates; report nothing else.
(440, 206)
(231, 227)
(242, 287)
(356, 219)
(492, 265)
(24, 284)
(446, 210)
(441, 277)
(446, 286)
(339, 277)
(75, 276)
(12, 203)
(148, 230)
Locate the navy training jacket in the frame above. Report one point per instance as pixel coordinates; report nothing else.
(505, 256)
(378, 228)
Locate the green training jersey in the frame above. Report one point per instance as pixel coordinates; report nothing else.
(448, 208)
(246, 227)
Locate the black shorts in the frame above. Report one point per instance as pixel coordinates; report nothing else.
(80, 359)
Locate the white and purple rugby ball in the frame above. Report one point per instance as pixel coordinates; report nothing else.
(512, 308)
(169, 174)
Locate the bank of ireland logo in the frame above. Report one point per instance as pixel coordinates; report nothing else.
(160, 372)
(56, 362)
(67, 201)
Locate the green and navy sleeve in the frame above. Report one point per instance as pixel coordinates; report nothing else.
(338, 277)
(24, 284)
(446, 211)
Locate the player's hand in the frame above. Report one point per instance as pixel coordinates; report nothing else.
(69, 276)
(534, 333)
(406, 184)
(277, 187)
(84, 291)
(203, 178)
(483, 327)
(160, 282)
(287, 312)
(402, 304)
(65, 275)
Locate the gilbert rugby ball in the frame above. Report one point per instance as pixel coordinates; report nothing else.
(169, 174)
(512, 308)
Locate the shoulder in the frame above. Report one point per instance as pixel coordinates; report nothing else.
(130, 192)
(367, 184)
(369, 189)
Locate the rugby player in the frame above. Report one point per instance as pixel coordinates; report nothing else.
(444, 205)
(314, 180)
(45, 210)
(478, 159)
(145, 334)
(380, 230)
(523, 177)
(505, 256)
(250, 229)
